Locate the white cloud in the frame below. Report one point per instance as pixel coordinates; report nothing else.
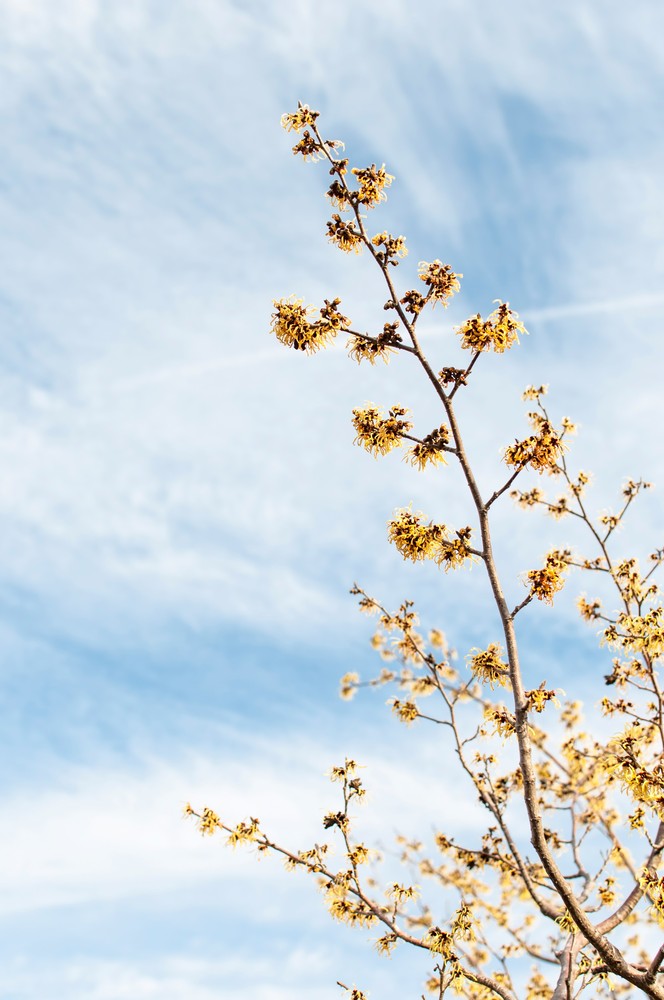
(164, 459)
(157, 444)
(115, 832)
(297, 977)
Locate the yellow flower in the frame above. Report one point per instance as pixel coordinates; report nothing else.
(589, 612)
(499, 332)
(653, 886)
(331, 320)
(339, 819)
(441, 280)
(463, 924)
(339, 195)
(359, 854)
(393, 246)
(438, 639)
(641, 633)
(417, 541)
(406, 710)
(243, 832)
(501, 720)
(429, 451)
(538, 698)
(372, 181)
(370, 348)
(345, 910)
(528, 498)
(546, 582)
(565, 922)
(386, 944)
(349, 685)
(303, 116)
(578, 488)
(488, 666)
(606, 892)
(379, 434)
(344, 235)
(208, 822)
(308, 147)
(541, 450)
(439, 942)
(534, 392)
(292, 325)
(414, 540)
(399, 893)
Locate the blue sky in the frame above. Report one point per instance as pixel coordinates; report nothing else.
(183, 511)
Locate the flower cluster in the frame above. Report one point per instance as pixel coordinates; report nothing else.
(208, 821)
(463, 924)
(331, 320)
(439, 942)
(630, 488)
(345, 909)
(488, 667)
(653, 886)
(371, 348)
(339, 195)
(349, 684)
(440, 279)
(417, 541)
(631, 584)
(453, 376)
(414, 302)
(299, 119)
(534, 392)
(386, 944)
(407, 711)
(528, 498)
(429, 451)
(244, 833)
(541, 450)
(379, 434)
(344, 235)
(640, 633)
(308, 147)
(414, 540)
(578, 488)
(347, 774)
(501, 721)
(372, 183)
(624, 762)
(560, 508)
(589, 612)
(546, 582)
(393, 246)
(293, 326)
(538, 698)
(498, 333)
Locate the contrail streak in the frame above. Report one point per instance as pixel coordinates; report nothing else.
(271, 356)
(591, 308)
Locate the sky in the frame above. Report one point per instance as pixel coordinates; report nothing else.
(183, 509)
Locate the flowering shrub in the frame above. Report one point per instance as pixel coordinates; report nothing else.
(576, 904)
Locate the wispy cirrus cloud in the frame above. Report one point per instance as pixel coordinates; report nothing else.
(175, 484)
